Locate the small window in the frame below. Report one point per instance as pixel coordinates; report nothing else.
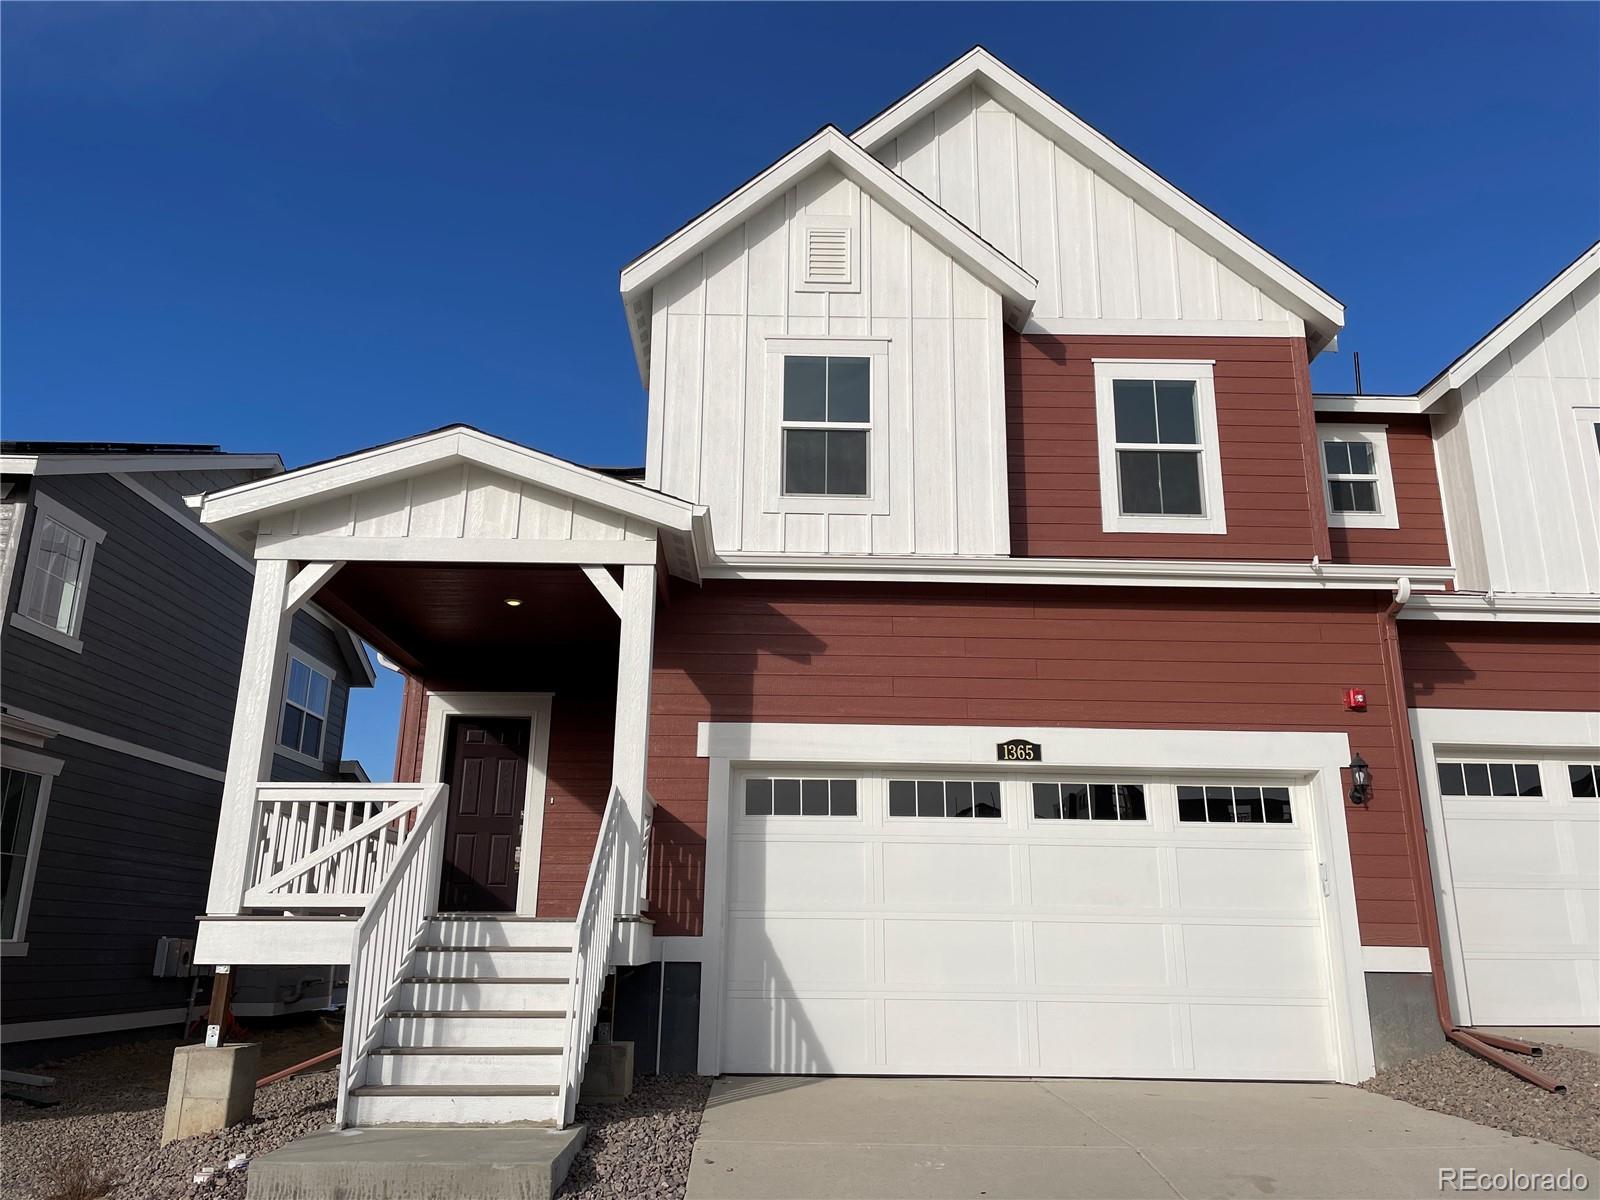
(24, 796)
(944, 798)
(305, 708)
(827, 419)
(800, 797)
(1585, 780)
(1489, 779)
(1088, 801)
(1226, 804)
(54, 586)
(1358, 486)
(1160, 469)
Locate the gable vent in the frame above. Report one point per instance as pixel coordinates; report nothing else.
(828, 256)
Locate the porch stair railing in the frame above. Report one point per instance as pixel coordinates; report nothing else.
(388, 932)
(328, 845)
(595, 925)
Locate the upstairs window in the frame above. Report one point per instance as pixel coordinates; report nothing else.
(1160, 470)
(56, 580)
(827, 421)
(1355, 470)
(305, 708)
(24, 796)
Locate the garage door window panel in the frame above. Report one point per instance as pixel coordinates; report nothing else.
(1088, 802)
(1234, 804)
(1585, 780)
(942, 798)
(769, 797)
(1488, 780)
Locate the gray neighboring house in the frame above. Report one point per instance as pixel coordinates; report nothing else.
(120, 650)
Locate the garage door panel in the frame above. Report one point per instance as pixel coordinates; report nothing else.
(935, 876)
(1255, 958)
(1101, 1039)
(953, 1035)
(1496, 848)
(1509, 916)
(806, 875)
(1267, 1041)
(949, 954)
(1524, 991)
(786, 953)
(1256, 879)
(782, 1035)
(1077, 876)
(1090, 957)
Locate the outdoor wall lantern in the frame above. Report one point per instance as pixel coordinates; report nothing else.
(1360, 780)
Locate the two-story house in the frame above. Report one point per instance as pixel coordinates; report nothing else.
(1003, 664)
(123, 629)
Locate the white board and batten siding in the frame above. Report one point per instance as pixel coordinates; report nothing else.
(461, 502)
(1519, 462)
(938, 478)
(1098, 255)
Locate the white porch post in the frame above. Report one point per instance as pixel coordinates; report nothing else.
(630, 742)
(254, 719)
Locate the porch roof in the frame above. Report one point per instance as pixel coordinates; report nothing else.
(457, 494)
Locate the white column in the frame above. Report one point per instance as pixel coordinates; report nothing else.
(255, 718)
(630, 742)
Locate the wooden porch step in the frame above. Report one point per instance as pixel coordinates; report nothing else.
(466, 1049)
(466, 1089)
(478, 1014)
(497, 949)
(484, 979)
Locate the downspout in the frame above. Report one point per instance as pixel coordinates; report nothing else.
(1484, 1045)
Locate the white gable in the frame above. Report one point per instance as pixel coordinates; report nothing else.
(721, 324)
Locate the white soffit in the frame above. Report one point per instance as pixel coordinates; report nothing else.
(1321, 312)
(1501, 337)
(1017, 288)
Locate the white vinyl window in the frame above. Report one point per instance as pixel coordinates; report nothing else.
(56, 579)
(1160, 463)
(767, 797)
(1357, 482)
(306, 690)
(25, 781)
(827, 424)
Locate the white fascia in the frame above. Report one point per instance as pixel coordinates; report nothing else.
(1504, 606)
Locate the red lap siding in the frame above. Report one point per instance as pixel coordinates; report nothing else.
(1270, 478)
(1481, 664)
(1069, 656)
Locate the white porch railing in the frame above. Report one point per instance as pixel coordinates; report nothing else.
(389, 930)
(327, 845)
(596, 921)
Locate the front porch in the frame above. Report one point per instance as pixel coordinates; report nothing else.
(489, 897)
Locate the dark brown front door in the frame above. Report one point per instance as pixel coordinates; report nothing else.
(488, 774)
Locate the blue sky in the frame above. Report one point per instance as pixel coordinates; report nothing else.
(312, 227)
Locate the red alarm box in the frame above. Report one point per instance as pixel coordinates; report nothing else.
(1355, 699)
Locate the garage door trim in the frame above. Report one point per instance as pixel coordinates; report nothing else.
(1312, 760)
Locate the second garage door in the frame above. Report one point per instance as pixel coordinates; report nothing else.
(897, 923)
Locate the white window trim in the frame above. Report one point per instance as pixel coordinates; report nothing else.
(92, 535)
(294, 754)
(1377, 436)
(1213, 518)
(876, 501)
(47, 769)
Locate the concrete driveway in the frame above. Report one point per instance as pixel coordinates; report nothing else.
(817, 1138)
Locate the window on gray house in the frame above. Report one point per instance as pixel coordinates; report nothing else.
(305, 708)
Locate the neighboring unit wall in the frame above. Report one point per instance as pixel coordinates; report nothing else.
(1095, 252)
(1521, 476)
(989, 656)
(718, 325)
(1420, 540)
(1495, 665)
(1270, 480)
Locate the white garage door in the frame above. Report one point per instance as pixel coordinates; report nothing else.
(891, 923)
(1521, 843)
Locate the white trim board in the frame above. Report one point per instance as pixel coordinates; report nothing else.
(1314, 758)
(1365, 405)
(107, 464)
(1276, 278)
(1293, 327)
(535, 706)
(105, 741)
(1468, 606)
(1405, 960)
(35, 1031)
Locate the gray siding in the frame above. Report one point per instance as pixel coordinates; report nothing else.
(127, 846)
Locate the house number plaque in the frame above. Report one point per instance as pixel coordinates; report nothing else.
(1018, 750)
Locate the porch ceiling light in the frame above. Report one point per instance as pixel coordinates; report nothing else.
(513, 602)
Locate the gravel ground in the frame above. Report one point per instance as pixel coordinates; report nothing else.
(103, 1139)
(639, 1149)
(1463, 1085)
